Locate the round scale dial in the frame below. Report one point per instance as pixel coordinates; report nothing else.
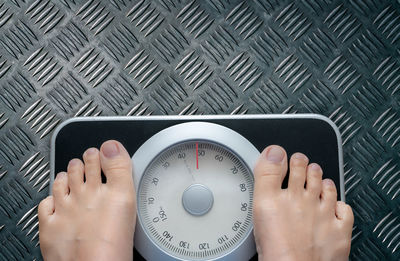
(194, 187)
(195, 199)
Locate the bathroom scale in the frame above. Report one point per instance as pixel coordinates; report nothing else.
(194, 174)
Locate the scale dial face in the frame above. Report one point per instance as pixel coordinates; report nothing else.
(195, 200)
(194, 185)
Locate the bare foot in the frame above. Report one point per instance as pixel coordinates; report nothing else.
(90, 220)
(298, 223)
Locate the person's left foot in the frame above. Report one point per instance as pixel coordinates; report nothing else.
(90, 220)
(303, 222)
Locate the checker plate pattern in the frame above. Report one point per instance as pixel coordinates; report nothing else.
(65, 58)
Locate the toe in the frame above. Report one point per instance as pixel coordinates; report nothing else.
(60, 189)
(270, 171)
(314, 180)
(75, 175)
(46, 208)
(328, 196)
(298, 170)
(91, 159)
(344, 213)
(345, 218)
(116, 164)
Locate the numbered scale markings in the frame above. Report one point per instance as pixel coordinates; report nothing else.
(194, 186)
(196, 199)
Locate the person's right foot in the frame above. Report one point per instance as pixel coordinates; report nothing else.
(298, 223)
(90, 220)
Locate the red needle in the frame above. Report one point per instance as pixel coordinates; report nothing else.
(197, 155)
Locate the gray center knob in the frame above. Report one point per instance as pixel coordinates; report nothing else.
(197, 199)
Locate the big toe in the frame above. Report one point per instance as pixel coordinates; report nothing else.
(270, 171)
(116, 164)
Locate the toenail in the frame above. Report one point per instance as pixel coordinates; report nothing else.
(275, 154)
(315, 166)
(110, 149)
(91, 151)
(328, 182)
(61, 175)
(74, 162)
(299, 156)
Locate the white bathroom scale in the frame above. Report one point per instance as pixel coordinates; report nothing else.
(194, 174)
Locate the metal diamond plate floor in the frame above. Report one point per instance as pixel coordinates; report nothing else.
(67, 58)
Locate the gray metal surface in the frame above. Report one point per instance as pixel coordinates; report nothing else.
(66, 58)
